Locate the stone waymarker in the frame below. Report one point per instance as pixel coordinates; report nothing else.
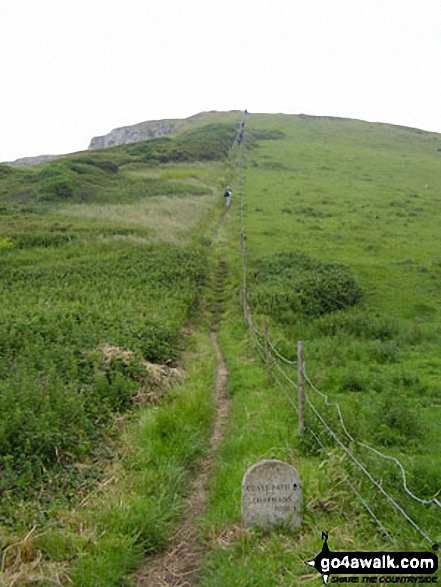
(271, 496)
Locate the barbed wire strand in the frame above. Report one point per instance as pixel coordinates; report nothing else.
(433, 500)
(281, 357)
(328, 403)
(287, 377)
(366, 472)
(286, 394)
(353, 488)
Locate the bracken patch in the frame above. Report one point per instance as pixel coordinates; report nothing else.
(290, 284)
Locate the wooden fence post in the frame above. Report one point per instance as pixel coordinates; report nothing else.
(301, 385)
(267, 351)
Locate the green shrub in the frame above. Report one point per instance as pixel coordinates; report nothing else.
(6, 243)
(57, 188)
(289, 284)
(78, 168)
(79, 164)
(107, 166)
(384, 351)
(352, 381)
(85, 159)
(51, 170)
(5, 170)
(423, 478)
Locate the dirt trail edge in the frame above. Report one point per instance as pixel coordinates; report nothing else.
(179, 565)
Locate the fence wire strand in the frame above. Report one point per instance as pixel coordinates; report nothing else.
(353, 488)
(433, 500)
(366, 472)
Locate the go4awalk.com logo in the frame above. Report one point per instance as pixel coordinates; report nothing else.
(380, 564)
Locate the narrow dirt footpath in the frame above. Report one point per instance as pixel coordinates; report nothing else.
(179, 566)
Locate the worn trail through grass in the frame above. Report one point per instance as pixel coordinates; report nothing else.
(180, 564)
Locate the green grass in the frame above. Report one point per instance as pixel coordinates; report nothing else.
(115, 258)
(139, 514)
(134, 509)
(356, 195)
(103, 264)
(347, 196)
(350, 193)
(61, 304)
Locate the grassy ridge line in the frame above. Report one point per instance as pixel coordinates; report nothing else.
(178, 126)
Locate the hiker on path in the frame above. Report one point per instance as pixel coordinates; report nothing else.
(227, 196)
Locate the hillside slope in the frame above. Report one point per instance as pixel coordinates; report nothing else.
(111, 258)
(341, 252)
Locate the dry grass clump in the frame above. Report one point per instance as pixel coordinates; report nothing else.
(23, 564)
(157, 380)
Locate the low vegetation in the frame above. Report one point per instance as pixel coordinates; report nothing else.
(289, 285)
(75, 283)
(61, 305)
(107, 259)
(109, 175)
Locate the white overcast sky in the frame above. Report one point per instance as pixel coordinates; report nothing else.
(73, 69)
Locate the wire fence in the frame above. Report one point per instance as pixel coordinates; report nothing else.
(272, 357)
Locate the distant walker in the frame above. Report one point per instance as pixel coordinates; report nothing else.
(227, 196)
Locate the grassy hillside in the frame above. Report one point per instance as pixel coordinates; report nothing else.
(369, 197)
(341, 248)
(103, 261)
(99, 249)
(109, 249)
